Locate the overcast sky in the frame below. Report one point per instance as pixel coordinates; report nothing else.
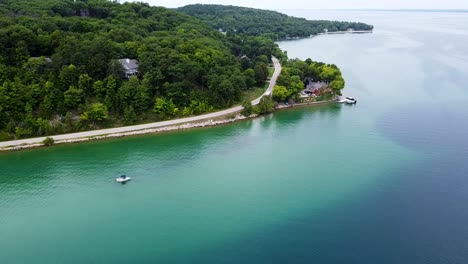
(324, 4)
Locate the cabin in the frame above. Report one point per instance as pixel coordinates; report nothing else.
(315, 88)
(39, 64)
(46, 59)
(84, 13)
(130, 67)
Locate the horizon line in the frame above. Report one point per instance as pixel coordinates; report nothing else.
(383, 9)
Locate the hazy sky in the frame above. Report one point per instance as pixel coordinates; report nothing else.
(324, 4)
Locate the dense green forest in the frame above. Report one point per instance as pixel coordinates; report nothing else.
(297, 73)
(61, 64)
(59, 68)
(255, 22)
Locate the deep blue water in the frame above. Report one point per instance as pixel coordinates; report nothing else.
(417, 213)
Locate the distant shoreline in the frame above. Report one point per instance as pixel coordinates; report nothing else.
(329, 33)
(346, 32)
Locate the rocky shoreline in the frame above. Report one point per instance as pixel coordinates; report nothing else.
(184, 126)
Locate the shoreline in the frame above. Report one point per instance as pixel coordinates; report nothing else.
(346, 32)
(328, 33)
(156, 130)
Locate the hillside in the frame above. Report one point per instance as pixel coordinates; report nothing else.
(256, 22)
(60, 70)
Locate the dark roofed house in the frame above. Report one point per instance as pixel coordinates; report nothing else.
(307, 80)
(84, 13)
(315, 87)
(130, 67)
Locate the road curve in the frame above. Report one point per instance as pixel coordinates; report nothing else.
(125, 129)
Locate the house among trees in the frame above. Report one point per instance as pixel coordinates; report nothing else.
(84, 13)
(315, 87)
(46, 59)
(130, 67)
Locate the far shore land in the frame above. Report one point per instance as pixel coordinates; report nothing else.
(223, 120)
(330, 33)
(347, 32)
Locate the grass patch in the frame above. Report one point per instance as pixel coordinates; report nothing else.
(326, 97)
(253, 93)
(271, 70)
(4, 136)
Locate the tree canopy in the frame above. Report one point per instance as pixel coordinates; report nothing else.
(60, 69)
(257, 22)
(297, 74)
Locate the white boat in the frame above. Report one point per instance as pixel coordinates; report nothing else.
(348, 100)
(123, 179)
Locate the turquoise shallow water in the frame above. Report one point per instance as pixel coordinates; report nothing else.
(384, 181)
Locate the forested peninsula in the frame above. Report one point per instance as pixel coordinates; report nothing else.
(271, 24)
(69, 66)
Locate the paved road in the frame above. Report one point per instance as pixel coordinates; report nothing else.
(101, 132)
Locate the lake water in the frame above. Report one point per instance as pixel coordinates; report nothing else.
(384, 181)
